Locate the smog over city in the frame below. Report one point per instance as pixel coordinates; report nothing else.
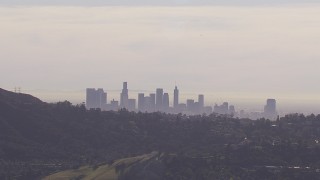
(119, 69)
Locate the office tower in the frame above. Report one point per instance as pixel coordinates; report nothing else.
(131, 104)
(95, 98)
(152, 104)
(147, 102)
(201, 103)
(270, 110)
(190, 105)
(114, 105)
(201, 100)
(165, 102)
(225, 108)
(176, 98)
(196, 108)
(222, 109)
(102, 97)
(159, 99)
(232, 110)
(141, 102)
(90, 98)
(124, 96)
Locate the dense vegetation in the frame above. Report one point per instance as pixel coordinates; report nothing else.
(38, 138)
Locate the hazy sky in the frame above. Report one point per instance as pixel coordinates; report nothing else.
(229, 51)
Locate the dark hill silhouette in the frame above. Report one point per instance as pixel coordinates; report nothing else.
(17, 98)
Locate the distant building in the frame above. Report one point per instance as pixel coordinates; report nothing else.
(95, 98)
(131, 105)
(201, 103)
(114, 105)
(190, 105)
(232, 110)
(201, 100)
(152, 104)
(165, 102)
(175, 98)
(270, 109)
(159, 99)
(224, 109)
(182, 108)
(148, 103)
(141, 102)
(124, 96)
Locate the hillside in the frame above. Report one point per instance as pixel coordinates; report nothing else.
(38, 139)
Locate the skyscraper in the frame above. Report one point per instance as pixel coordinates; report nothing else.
(201, 103)
(159, 99)
(270, 110)
(165, 102)
(176, 98)
(141, 102)
(152, 104)
(124, 96)
(131, 105)
(95, 98)
(190, 105)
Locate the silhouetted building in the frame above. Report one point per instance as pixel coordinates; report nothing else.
(124, 96)
(131, 105)
(182, 108)
(152, 104)
(95, 98)
(232, 110)
(176, 98)
(190, 105)
(114, 105)
(270, 110)
(141, 102)
(165, 102)
(159, 99)
(201, 103)
(222, 109)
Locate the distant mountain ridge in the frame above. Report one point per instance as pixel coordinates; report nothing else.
(17, 98)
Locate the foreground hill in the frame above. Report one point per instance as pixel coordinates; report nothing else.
(38, 139)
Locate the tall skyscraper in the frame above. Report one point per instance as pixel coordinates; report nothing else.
(91, 98)
(124, 96)
(165, 102)
(159, 99)
(176, 98)
(201, 102)
(141, 102)
(95, 98)
(232, 110)
(270, 110)
(190, 105)
(152, 105)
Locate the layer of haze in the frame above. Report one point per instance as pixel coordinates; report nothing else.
(240, 54)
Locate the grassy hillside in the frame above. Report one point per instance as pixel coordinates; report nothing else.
(102, 172)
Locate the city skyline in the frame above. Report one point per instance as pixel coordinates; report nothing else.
(160, 102)
(237, 53)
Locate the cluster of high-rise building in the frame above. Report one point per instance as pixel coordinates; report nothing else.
(160, 101)
(153, 102)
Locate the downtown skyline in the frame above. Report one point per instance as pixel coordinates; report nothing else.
(160, 102)
(237, 53)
